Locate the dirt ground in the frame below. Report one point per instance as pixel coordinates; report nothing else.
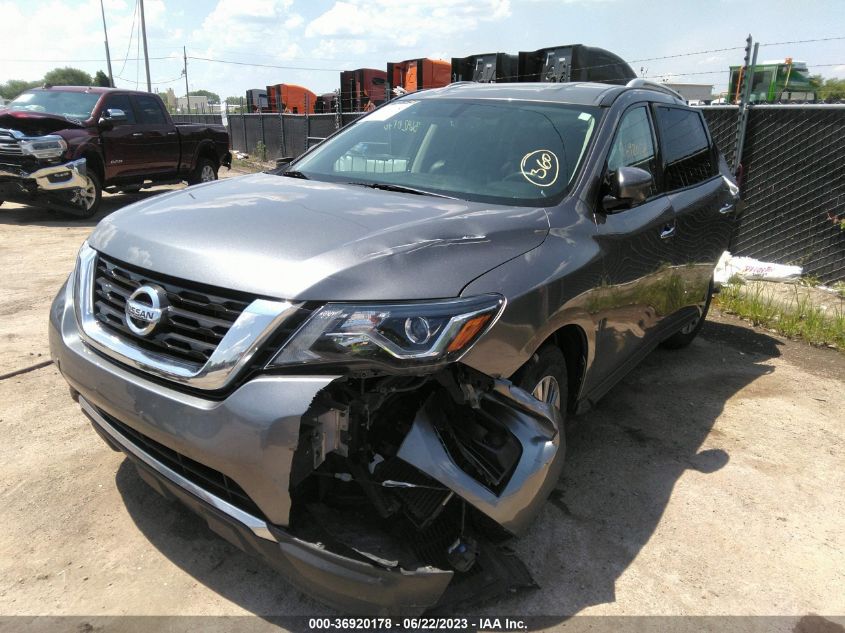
(710, 481)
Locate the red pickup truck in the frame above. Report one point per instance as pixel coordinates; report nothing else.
(61, 147)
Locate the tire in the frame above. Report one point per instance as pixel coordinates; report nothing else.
(687, 334)
(546, 378)
(205, 171)
(87, 202)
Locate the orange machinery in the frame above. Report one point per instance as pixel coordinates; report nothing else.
(416, 74)
(290, 98)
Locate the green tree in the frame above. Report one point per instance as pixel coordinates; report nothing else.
(833, 89)
(102, 79)
(212, 97)
(14, 87)
(68, 76)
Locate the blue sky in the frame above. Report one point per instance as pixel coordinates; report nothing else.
(325, 36)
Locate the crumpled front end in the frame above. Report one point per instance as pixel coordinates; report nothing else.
(375, 492)
(32, 169)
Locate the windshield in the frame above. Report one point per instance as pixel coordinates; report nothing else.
(503, 152)
(74, 105)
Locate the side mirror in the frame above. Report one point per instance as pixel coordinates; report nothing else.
(111, 117)
(628, 186)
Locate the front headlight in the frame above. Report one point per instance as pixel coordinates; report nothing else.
(44, 146)
(393, 336)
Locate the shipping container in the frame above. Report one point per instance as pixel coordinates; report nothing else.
(291, 99)
(574, 62)
(486, 68)
(362, 89)
(417, 74)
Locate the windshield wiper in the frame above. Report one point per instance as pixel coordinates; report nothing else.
(384, 186)
(294, 174)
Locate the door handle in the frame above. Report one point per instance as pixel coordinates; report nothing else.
(667, 231)
(728, 208)
(137, 134)
(172, 133)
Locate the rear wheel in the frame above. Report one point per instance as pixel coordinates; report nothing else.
(545, 377)
(205, 171)
(687, 334)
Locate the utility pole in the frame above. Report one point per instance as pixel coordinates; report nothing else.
(185, 72)
(108, 55)
(745, 99)
(146, 55)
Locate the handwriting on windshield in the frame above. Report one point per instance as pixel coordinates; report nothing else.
(403, 125)
(540, 167)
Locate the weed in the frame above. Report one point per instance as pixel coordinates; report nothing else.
(797, 318)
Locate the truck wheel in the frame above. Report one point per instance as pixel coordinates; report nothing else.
(205, 171)
(545, 377)
(87, 200)
(686, 334)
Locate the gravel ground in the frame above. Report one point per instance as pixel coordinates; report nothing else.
(710, 481)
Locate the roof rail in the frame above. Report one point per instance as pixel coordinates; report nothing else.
(653, 85)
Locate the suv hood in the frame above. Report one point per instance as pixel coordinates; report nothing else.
(308, 240)
(36, 123)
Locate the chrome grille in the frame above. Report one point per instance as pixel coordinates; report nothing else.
(9, 145)
(196, 322)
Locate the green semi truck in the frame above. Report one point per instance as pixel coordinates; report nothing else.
(773, 81)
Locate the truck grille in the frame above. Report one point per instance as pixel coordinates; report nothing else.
(9, 145)
(197, 320)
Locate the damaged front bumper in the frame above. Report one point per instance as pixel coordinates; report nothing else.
(341, 581)
(269, 468)
(64, 177)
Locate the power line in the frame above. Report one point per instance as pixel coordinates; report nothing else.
(713, 50)
(821, 39)
(631, 61)
(69, 61)
(129, 46)
(157, 83)
(229, 61)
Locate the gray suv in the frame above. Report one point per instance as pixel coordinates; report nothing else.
(361, 368)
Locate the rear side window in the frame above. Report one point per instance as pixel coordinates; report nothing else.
(121, 102)
(687, 155)
(150, 111)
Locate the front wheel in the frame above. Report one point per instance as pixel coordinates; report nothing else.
(205, 171)
(87, 199)
(545, 378)
(687, 334)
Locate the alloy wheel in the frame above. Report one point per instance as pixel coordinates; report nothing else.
(87, 195)
(548, 391)
(207, 174)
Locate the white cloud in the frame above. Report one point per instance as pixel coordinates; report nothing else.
(29, 40)
(407, 24)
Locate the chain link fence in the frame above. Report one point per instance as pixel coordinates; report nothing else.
(197, 118)
(793, 184)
